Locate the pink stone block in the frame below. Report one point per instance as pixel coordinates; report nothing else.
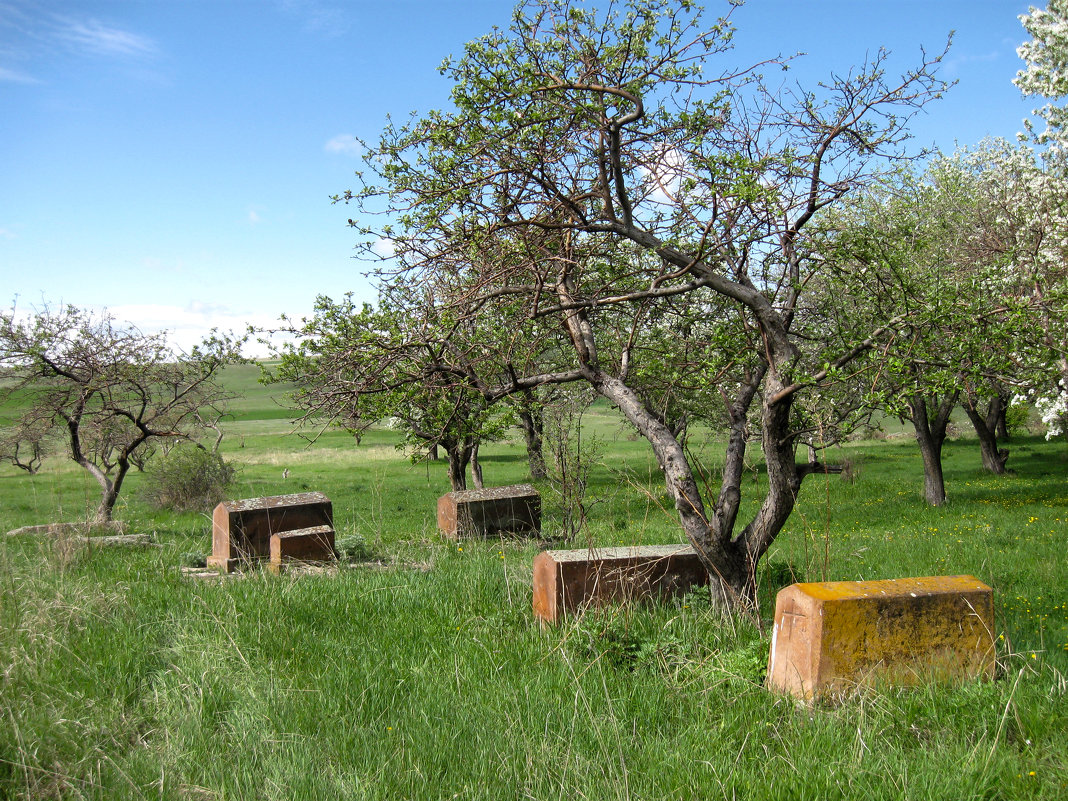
(566, 582)
(315, 544)
(241, 530)
(490, 512)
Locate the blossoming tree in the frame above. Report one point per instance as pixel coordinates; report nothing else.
(1044, 178)
(1046, 74)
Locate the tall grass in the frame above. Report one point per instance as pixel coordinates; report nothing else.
(423, 674)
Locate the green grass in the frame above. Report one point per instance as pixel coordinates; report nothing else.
(424, 674)
(255, 400)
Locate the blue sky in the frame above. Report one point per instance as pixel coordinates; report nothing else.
(172, 160)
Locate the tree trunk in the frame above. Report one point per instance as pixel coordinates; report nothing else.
(725, 513)
(532, 422)
(930, 435)
(106, 508)
(533, 425)
(458, 457)
(109, 488)
(111, 494)
(784, 482)
(729, 579)
(730, 561)
(985, 426)
(476, 467)
(1001, 431)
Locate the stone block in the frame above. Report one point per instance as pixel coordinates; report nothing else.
(566, 582)
(832, 637)
(241, 530)
(490, 512)
(314, 544)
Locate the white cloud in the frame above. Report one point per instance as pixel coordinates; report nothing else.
(344, 145)
(383, 247)
(183, 326)
(30, 35)
(96, 37)
(7, 233)
(187, 326)
(664, 176)
(253, 217)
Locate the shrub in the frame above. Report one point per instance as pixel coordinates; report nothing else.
(188, 478)
(353, 548)
(193, 559)
(1017, 417)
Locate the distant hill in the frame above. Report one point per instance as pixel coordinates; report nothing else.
(256, 401)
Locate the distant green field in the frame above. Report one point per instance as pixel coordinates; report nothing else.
(423, 674)
(255, 400)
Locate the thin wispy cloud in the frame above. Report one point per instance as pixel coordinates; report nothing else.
(253, 217)
(16, 15)
(962, 61)
(31, 35)
(344, 145)
(317, 17)
(14, 76)
(95, 37)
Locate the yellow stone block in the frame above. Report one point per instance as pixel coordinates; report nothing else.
(832, 637)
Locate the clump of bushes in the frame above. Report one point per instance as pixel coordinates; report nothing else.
(1017, 418)
(188, 478)
(353, 548)
(193, 559)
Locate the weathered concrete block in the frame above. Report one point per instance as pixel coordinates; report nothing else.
(315, 544)
(242, 529)
(832, 637)
(566, 582)
(489, 512)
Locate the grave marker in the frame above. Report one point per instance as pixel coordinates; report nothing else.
(490, 512)
(242, 529)
(831, 637)
(314, 544)
(566, 582)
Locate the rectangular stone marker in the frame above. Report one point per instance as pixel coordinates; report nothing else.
(489, 512)
(566, 582)
(831, 637)
(315, 544)
(243, 529)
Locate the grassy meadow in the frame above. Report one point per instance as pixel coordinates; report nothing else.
(421, 672)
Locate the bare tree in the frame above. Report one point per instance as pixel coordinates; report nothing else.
(107, 390)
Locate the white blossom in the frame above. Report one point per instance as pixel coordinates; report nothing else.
(1046, 74)
(1054, 411)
